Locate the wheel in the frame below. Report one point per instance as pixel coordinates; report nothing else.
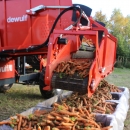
(4, 88)
(45, 94)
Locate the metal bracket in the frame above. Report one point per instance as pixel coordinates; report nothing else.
(92, 84)
(33, 11)
(69, 27)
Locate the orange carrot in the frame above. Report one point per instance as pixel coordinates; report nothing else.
(66, 124)
(74, 125)
(39, 128)
(20, 121)
(50, 117)
(5, 122)
(54, 113)
(64, 127)
(68, 113)
(54, 128)
(24, 124)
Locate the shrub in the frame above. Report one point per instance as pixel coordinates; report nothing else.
(119, 64)
(127, 65)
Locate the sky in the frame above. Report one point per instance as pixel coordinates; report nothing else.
(106, 6)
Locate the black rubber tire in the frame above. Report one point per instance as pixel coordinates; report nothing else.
(4, 88)
(45, 94)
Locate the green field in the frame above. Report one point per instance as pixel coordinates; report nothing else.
(120, 77)
(18, 99)
(22, 97)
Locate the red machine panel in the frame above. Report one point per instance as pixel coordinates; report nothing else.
(14, 23)
(21, 30)
(7, 69)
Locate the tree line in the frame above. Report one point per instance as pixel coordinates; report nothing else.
(119, 26)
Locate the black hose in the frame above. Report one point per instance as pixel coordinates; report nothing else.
(33, 48)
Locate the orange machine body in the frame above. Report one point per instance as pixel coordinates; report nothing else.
(7, 69)
(104, 60)
(21, 28)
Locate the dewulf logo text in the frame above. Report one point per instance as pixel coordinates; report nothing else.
(17, 19)
(6, 68)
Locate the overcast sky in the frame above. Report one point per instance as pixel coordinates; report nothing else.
(107, 6)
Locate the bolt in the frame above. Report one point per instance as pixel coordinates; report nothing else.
(92, 84)
(33, 12)
(102, 70)
(27, 11)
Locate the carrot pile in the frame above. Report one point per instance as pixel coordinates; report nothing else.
(89, 42)
(97, 103)
(104, 85)
(73, 66)
(61, 117)
(75, 112)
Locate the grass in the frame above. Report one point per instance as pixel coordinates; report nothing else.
(120, 77)
(18, 99)
(22, 97)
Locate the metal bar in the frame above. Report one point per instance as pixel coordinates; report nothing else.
(55, 7)
(7, 81)
(40, 7)
(74, 32)
(30, 76)
(86, 17)
(23, 66)
(5, 23)
(18, 65)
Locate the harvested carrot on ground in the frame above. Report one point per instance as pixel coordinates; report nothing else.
(5, 123)
(97, 103)
(75, 112)
(110, 87)
(64, 119)
(20, 122)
